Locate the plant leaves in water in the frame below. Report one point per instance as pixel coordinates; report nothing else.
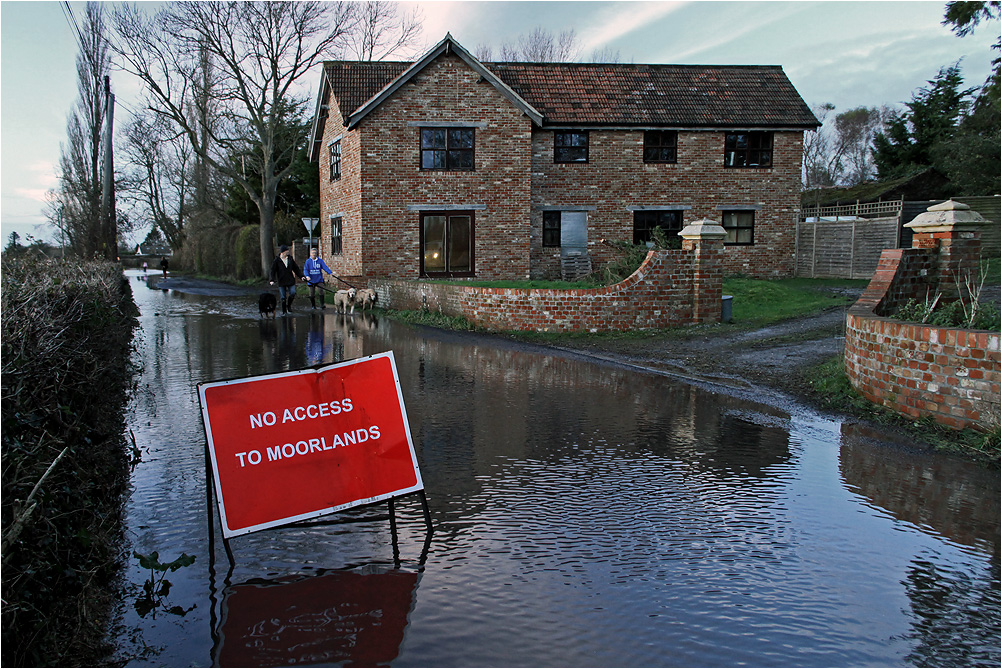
(151, 561)
(143, 606)
(184, 561)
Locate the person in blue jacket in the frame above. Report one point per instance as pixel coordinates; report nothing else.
(313, 274)
(285, 271)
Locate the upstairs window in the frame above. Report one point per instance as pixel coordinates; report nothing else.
(336, 239)
(570, 146)
(748, 149)
(447, 148)
(740, 227)
(660, 146)
(645, 222)
(551, 228)
(335, 160)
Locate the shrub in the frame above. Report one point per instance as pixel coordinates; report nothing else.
(66, 337)
(248, 252)
(953, 314)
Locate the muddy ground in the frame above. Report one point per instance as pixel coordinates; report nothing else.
(775, 356)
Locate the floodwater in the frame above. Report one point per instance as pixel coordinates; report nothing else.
(585, 514)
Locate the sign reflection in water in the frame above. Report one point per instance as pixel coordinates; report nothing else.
(586, 514)
(358, 617)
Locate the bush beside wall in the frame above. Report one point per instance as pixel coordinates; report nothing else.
(949, 374)
(66, 339)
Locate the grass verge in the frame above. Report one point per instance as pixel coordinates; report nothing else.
(761, 302)
(66, 340)
(831, 389)
(433, 319)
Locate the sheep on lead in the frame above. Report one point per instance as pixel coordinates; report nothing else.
(366, 297)
(343, 299)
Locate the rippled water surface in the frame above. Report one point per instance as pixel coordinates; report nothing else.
(585, 515)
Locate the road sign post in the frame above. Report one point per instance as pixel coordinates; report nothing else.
(310, 224)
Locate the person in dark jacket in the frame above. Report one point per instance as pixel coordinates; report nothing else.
(285, 272)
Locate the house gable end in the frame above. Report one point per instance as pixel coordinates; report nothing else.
(446, 46)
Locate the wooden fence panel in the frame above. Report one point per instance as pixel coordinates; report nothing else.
(843, 249)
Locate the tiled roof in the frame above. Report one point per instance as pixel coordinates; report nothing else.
(678, 95)
(619, 94)
(353, 83)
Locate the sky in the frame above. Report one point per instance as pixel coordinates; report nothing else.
(849, 54)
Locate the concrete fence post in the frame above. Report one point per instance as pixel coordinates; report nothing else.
(705, 239)
(953, 230)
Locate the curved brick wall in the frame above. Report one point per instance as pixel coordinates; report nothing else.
(659, 294)
(918, 370)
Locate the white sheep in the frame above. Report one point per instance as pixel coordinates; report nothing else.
(343, 299)
(366, 297)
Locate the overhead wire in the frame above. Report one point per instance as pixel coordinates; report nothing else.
(72, 20)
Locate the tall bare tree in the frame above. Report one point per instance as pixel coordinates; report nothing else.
(159, 181)
(80, 178)
(855, 130)
(840, 152)
(822, 155)
(384, 31)
(225, 73)
(537, 46)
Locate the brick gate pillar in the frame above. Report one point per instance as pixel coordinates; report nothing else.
(705, 238)
(953, 231)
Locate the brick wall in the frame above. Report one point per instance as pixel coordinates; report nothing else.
(341, 197)
(949, 374)
(670, 288)
(615, 178)
(515, 177)
(384, 186)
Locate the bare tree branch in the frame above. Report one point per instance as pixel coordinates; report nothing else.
(382, 31)
(224, 73)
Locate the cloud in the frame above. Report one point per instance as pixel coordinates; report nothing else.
(31, 183)
(36, 194)
(622, 18)
(44, 171)
(438, 18)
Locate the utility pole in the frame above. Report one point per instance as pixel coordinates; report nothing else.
(108, 217)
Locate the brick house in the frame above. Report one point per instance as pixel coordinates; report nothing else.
(450, 167)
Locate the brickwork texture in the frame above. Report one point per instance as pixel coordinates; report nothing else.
(382, 190)
(951, 375)
(670, 288)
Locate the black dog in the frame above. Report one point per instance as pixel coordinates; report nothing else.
(266, 304)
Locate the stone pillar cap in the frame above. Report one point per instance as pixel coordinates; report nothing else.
(946, 216)
(704, 228)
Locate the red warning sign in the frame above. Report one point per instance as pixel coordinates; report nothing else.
(297, 445)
